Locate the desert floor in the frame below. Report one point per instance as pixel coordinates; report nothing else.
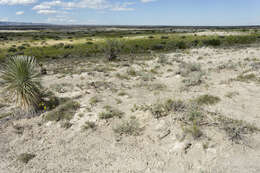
(135, 86)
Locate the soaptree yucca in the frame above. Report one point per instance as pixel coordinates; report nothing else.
(22, 81)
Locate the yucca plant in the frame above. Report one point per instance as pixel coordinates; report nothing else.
(22, 80)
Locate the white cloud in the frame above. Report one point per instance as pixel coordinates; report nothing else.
(4, 19)
(46, 5)
(17, 2)
(47, 12)
(145, 1)
(19, 13)
(122, 7)
(92, 4)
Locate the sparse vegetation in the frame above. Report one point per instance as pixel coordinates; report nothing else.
(25, 157)
(89, 125)
(110, 113)
(129, 127)
(207, 100)
(64, 111)
(94, 100)
(248, 78)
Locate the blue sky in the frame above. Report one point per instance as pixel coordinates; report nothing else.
(133, 12)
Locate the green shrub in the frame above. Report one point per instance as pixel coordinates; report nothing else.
(181, 45)
(207, 100)
(212, 42)
(110, 113)
(128, 127)
(112, 48)
(64, 111)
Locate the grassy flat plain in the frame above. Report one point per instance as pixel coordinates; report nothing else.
(174, 100)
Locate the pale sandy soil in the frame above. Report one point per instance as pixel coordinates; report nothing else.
(72, 150)
(220, 33)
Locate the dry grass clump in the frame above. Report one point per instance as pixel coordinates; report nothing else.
(25, 157)
(110, 113)
(186, 68)
(89, 125)
(94, 100)
(192, 72)
(7, 114)
(235, 129)
(248, 78)
(129, 127)
(165, 108)
(194, 130)
(207, 100)
(64, 111)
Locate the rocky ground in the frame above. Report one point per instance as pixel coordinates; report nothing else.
(126, 123)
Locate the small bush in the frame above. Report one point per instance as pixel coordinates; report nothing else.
(186, 68)
(110, 113)
(25, 157)
(181, 45)
(194, 130)
(158, 47)
(212, 42)
(128, 127)
(89, 125)
(112, 48)
(94, 100)
(247, 78)
(12, 49)
(207, 100)
(164, 37)
(163, 109)
(64, 111)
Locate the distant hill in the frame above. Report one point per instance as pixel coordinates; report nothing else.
(21, 24)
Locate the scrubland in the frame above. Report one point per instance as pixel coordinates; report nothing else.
(139, 102)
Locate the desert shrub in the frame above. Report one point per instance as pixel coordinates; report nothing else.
(157, 47)
(248, 78)
(128, 127)
(25, 157)
(186, 68)
(112, 48)
(89, 125)
(22, 80)
(162, 109)
(12, 49)
(6, 114)
(162, 59)
(181, 45)
(235, 129)
(94, 100)
(194, 130)
(164, 37)
(212, 42)
(207, 100)
(66, 124)
(68, 46)
(110, 113)
(64, 111)
(21, 47)
(193, 79)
